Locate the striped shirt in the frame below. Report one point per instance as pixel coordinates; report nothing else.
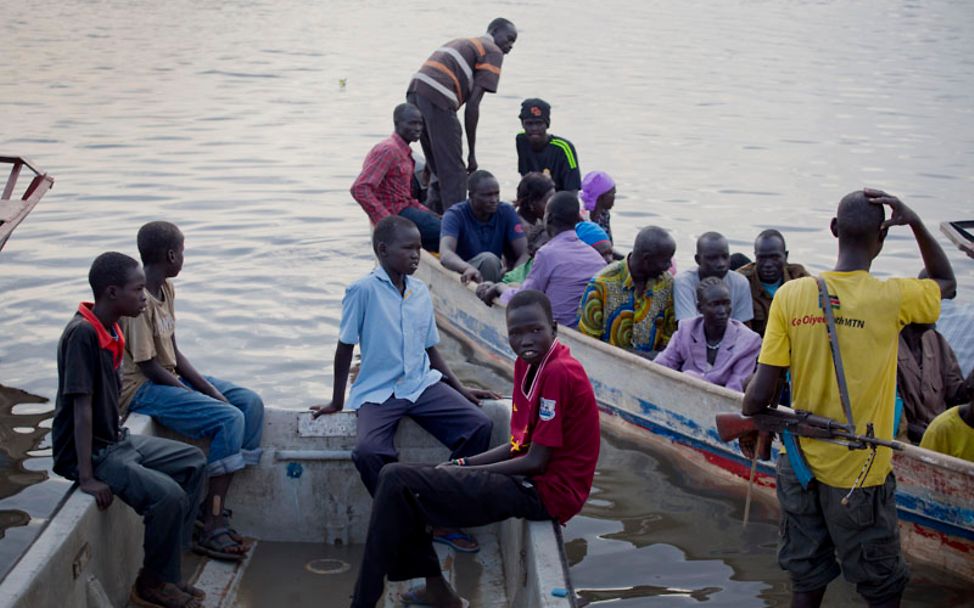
(449, 75)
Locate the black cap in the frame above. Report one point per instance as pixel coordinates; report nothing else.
(535, 108)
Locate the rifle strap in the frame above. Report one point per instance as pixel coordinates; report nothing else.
(793, 452)
(825, 302)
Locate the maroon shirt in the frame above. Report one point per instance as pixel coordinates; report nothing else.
(384, 187)
(558, 411)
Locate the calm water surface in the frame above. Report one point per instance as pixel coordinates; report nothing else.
(245, 123)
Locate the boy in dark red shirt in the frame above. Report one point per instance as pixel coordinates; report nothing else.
(544, 472)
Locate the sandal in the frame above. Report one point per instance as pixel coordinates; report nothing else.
(215, 544)
(194, 591)
(450, 540)
(166, 596)
(237, 537)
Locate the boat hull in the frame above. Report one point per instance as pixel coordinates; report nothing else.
(673, 410)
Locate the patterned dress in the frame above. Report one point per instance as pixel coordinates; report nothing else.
(610, 311)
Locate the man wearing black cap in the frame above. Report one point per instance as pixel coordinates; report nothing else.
(549, 154)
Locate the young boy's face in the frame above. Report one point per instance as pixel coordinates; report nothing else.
(129, 299)
(530, 332)
(176, 258)
(402, 253)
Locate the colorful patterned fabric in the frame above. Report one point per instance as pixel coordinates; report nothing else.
(610, 311)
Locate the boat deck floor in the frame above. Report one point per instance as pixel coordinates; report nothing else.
(306, 575)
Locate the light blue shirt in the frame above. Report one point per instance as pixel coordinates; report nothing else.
(394, 332)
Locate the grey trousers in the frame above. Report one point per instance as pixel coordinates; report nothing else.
(443, 148)
(489, 265)
(443, 412)
(163, 481)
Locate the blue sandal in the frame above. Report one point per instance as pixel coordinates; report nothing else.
(451, 538)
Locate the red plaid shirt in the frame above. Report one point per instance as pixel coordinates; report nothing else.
(384, 187)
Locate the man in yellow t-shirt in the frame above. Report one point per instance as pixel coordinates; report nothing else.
(818, 532)
(952, 433)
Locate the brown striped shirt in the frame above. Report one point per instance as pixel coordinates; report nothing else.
(448, 76)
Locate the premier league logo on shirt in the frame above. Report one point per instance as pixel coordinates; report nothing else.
(547, 410)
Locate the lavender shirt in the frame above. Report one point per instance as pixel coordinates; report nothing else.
(736, 358)
(561, 269)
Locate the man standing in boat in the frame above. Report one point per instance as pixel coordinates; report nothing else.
(456, 74)
(838, 507)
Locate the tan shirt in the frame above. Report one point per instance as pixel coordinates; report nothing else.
(148, 336)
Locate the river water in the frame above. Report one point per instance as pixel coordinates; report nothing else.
(245, 122)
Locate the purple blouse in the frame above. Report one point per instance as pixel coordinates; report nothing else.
(736, 358)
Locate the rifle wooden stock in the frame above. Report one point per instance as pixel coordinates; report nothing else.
(732, 425)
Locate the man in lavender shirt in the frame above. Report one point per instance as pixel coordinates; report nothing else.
(561, 268)
(713, 346)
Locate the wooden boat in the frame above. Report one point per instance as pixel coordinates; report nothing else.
(308, 511)
(676, 412)
(960, 233)
(14, 207)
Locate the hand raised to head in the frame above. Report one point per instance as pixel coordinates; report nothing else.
(900, 213)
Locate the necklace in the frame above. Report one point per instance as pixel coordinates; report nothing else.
(713, 346)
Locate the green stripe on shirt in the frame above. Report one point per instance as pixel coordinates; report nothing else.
(567, 148)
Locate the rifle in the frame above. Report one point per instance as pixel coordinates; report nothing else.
(731, 425)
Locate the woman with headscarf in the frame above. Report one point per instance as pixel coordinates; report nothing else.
(599, 195)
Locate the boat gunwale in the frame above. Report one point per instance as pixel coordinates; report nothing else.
(944, 461)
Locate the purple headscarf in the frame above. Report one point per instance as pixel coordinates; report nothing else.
(594, 185)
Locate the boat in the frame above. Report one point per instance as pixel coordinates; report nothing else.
(307, 511)
(16, 204)
(675, 413)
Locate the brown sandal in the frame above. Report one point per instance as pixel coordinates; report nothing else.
(166, 596)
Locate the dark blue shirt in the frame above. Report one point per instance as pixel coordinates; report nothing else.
(475, 237)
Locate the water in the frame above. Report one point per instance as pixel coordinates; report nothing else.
(231, 120)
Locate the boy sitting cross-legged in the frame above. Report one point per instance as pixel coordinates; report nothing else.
(544, 472)
(159, 381)
(160, 479)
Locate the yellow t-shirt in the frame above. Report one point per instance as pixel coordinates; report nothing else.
(949, 434)
(869, 314)
(148, 336)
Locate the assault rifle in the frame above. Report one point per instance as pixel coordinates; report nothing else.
(732, 425)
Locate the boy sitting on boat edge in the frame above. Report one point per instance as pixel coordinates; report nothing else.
(390, 315)
(160, 479)
(544, 472)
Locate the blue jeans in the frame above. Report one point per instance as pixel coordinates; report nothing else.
(234, 428)
(428, 224)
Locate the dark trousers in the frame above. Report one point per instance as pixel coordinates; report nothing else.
(413, 499)
(428, 224)
(163, 481)
(443, 147)
(443, 412)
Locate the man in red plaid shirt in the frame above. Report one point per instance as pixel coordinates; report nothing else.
(384, 187)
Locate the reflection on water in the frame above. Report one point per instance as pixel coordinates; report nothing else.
(21, 434)
(657, 534)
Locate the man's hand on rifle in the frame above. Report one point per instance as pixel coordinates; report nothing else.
(748, 444)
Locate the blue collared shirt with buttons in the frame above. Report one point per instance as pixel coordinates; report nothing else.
(394, 332)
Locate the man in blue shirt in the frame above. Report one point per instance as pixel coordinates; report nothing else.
(477, 234)
(390, 315)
